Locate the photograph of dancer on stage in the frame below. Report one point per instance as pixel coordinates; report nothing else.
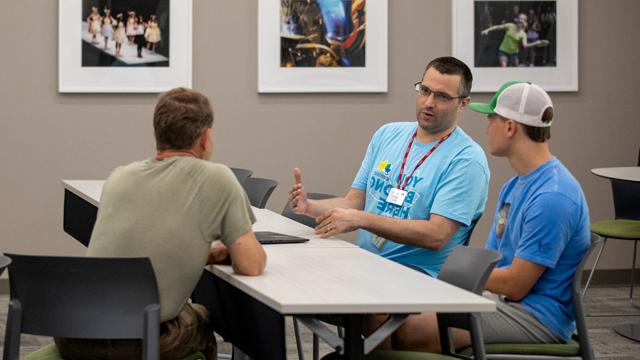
(125, 33)
(322, 33)
(515, 33)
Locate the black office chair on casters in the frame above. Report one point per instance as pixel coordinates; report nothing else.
(82, 297)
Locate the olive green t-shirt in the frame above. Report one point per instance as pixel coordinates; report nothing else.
(512, 38)
(170, 211)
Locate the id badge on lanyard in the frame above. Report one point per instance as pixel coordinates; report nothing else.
(399, 194)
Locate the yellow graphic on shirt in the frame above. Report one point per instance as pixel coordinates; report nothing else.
(385, 166)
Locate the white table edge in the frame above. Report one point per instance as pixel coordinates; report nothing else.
(482, 305)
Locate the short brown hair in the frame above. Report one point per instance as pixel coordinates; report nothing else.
(180, 117)
(540, 134)
(449, 65)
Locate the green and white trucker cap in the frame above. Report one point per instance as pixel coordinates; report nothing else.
(519, 101)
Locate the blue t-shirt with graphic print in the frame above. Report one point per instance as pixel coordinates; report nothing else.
(543, 217)
(452, 182)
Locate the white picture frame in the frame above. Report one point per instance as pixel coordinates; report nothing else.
(73, 77)
(561, 77)
(272, 78)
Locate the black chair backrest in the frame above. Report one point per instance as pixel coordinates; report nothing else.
(259, 190)
(4, 262)
(467, 268)
(626, 197)
(83, 297)
(302, 219)
(242, 174)
(583, 337)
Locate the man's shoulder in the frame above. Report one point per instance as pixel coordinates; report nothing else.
(209, 171)
(393, 131)
(468, 149)
(394, 128)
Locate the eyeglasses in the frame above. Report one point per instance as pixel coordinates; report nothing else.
(439, 96)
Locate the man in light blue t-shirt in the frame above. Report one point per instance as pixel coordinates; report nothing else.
(421, 186)
(541, 229)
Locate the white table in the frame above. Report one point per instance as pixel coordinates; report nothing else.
(325, 276)
(631, 174)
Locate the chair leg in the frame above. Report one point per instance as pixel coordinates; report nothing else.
(296, 331)
(633, 270)
(593, 269)
(316, 347)
(239, 355)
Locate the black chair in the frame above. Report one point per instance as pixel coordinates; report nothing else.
(467, 268)
(83, 297)
(302, 219)
(242, 174)
(259, 190)
(577, 348)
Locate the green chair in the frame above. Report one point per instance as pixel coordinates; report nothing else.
(625, 226)
(578, 348)
(50, 352)
(469, 269)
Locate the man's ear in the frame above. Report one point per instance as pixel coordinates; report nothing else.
(512, 128)
(204, 137)
(464, 102)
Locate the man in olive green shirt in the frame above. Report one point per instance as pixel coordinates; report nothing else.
(182, 212)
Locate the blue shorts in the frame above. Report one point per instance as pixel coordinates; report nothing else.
(511, 58)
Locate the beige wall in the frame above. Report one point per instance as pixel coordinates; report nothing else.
(46, 137)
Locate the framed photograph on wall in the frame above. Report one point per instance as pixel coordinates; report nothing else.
(124, 45)
(322, 46)
(506, 40)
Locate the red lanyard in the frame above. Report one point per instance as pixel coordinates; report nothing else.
(406, 155)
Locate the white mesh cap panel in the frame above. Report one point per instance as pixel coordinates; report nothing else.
(524, 103)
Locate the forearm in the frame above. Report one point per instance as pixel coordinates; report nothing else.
(500, 282)
(319, 207)
(515, 281)
(420, 233)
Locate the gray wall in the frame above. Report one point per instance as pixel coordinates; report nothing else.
(46, 137)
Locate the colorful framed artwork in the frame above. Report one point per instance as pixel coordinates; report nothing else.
(124, 45)
(533, 41)
(322, 46)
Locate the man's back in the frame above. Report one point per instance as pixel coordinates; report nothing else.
(170, 211)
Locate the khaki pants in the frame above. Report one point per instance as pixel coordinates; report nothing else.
(180, 337)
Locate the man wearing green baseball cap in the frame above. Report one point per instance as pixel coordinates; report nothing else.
(540, 226)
